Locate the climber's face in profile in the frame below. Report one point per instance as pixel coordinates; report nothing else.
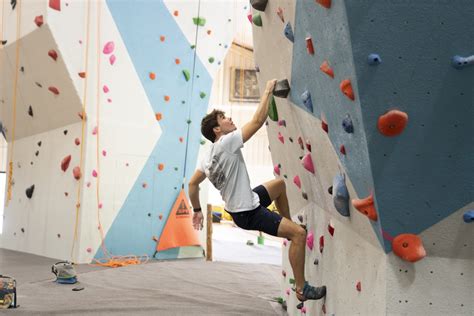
(225, 125)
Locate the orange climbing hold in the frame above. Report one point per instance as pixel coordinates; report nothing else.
(346, 88)
(54, 90)
(82, 74)
(409, 247)
(158, 116)
(152, 75)
(77, 173)
(55, 4)
(161, 166)
(177, 61)
(209, 32)
(309, 45)
(162, 38)
(366, 207)
(176, 13)
(392, 123)
(324, 3)
(65, 163)
(167, 98)
(327, 69)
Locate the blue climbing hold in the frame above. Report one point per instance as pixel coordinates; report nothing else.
(308, 103)
(460, 62)
(468, 216)
(374, 59)
(347, 124)
(340, 195)
(289, 32)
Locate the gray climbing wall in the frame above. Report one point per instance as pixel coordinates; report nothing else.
(369, 59)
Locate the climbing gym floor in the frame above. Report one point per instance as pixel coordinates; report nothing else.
(184, 287)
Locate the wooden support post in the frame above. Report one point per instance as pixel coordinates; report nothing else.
(209, 233)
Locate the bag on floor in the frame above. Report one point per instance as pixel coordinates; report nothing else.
(7, 292)
(64, 272)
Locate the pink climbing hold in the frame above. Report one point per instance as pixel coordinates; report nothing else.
(280, 14)
(359, 286)
(89, 250)
(105, 88)
(65, 163)
(94, 173)
(288, 292)
(310, 241)
(112, 59)
(104, 153)
(108, 48)
(321, 244)
(249, 16)
(39, 20)
(303, 310)
(276, 169)
(88, 184)
(54, 90)
(281, 123)
(307, 162)
(297, 181)
(285, 242)
(77, 141)
(308, 145)
(95, 130)
(53, 54)
(331, 229)
(281, 138)
(77, 173)
(55, 4)
(100, 205)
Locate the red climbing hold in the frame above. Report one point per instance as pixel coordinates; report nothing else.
(209, 32)
(366, 207)
(346, 88)
(39, 20)
(309, 45)
(162, 38)
(324, 308)
(409, 247)
(324, 3)
(307, 162)
(54, 90)
(152, 75)
(82, 74)
(308, 145)
(325, 126)
(53, 54)
(55, 4)
(321, 244)
(327, 69)
(77, 173)
(342, 149)
(297, 181)
(65, 163)
(276, 169)
(158, 116)
(281, 138)
(283, 273)
(77, 141)
(300, 142)
(392, 123)
(331, 229)
(359, 287)
(144, 185)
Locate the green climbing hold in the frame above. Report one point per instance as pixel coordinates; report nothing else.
(176, 168)
(211, 60)
(257, 19)
(193, 46)
(202, 95)
(199, 21)
(272, 110)
(292, 281)
(202, 142)
(188, 121)
(186, 74)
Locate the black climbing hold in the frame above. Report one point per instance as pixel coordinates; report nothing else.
(308, 103)
(13, 4)
(39, 84)
(259, 5)
(257, 69)
(341, 195)
(290, 139)
(347, 124)
(29, 191)
(374, 59)
(22, 230)
(149, 214)
(316, 261)
(4, 42)
(37, 153)
(300, 218)
(22, 69)
(300, 305)
(30, 111)
(39, 143)
(305, 196)
(76, 289)
(288, 31)
(65, 132)
(282, 89)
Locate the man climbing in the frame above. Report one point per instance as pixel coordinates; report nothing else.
(225, 167)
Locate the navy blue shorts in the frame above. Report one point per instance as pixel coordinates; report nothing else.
(261, 218)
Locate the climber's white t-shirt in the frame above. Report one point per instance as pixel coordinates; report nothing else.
(224, 166)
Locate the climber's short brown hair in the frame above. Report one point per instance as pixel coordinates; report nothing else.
(209, 122)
